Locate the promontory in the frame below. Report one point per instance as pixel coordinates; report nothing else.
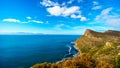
(96, 50)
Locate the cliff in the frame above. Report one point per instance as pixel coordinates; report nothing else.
(103, 46)
(97, 39)
(97, 50)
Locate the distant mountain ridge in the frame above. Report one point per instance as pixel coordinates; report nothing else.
(20, 33)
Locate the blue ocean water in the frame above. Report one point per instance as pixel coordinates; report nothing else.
(23, 51)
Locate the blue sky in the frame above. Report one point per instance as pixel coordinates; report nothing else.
(59, 16)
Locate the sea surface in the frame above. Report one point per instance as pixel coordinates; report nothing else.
(23, 51)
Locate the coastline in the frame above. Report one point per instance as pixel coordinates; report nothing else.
(64, 59)
(95, 55)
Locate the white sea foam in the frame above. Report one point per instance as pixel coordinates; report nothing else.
(70, 48)
(69, 53)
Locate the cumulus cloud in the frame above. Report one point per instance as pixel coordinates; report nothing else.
(108, 18)
(63, 11)
(82, 18)
(75, 16)
(11, 20)
(66, 11)
(71, 10)
(48, 3)
(56, 9)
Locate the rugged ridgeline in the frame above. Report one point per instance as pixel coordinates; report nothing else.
(104, 47)
(97, 50)
(92, 39)
(95, 39)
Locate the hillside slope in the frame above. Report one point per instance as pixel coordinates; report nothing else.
(102, 46)
(97, 50)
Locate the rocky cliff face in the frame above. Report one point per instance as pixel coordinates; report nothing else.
(102, 46)
(97, 50)
(108, 33)
(96, 39)
(91, 33)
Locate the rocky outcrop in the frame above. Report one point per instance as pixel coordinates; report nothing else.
(112, 33)
(109, 33)
(92, 38)
(97, 50)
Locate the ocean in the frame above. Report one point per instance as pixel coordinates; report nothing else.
(23, 51)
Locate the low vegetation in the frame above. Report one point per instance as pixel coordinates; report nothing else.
(97, 50)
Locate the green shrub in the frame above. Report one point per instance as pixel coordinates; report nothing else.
(117, 61)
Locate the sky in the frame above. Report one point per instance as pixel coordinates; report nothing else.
(59, 16)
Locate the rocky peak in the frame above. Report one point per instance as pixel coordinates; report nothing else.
(88, 32)
(91, 33)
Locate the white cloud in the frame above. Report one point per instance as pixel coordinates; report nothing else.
(115, 22)
(60, 26)
(106, 11)
(63, 11)
(55, 9)
(75, 16)
(48, 3)
(108, 18)
(96, 7)
(82, 18)
(11, 20)
(28, 17)
(24, 22)
(95, 3)
(63, 4)
(36, 21)
(104, 14)
(70, 1)
(71, 10)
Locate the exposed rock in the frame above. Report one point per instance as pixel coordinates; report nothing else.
(91, 33)
(112, 32)
(92, 39)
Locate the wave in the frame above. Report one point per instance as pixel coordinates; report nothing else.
(69, 51)
(70, 54)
